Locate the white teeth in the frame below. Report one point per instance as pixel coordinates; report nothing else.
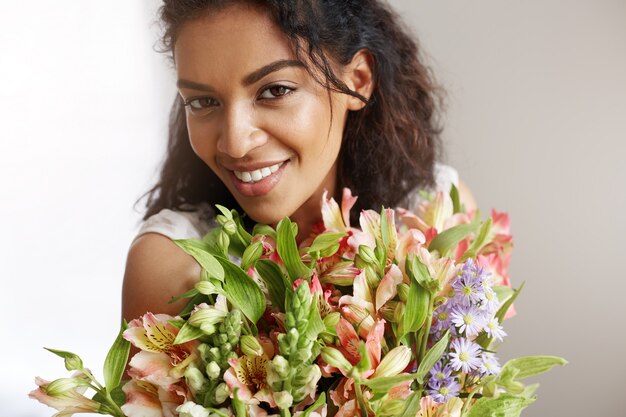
(257, 174)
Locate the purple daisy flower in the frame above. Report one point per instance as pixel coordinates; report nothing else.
(466, 355)
(489, 300)
(468, 288)
(439, 372)
(469, 319)
(490, 364)
(494, 330)
(444, 390)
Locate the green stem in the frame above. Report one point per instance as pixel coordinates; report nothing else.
(285, 412)
(429, 320)
(114, 407)
(92, 378)
(359, 397)
(467, 402)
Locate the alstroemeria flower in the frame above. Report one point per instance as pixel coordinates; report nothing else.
(249, 375)
(147, 400)
(67, 402)
(160, 361)
(387, 289)
(335, 219)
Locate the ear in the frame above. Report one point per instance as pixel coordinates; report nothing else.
(359, 77)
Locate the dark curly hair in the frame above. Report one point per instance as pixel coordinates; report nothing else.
(389, 147)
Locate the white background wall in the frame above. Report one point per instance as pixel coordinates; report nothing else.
(536, 126)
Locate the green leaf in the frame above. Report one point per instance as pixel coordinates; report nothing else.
(417, 271)
(275, 281)
(479, 242)
(504, 307)
(533, 365)
(503, 292)
(456, 199)
(116, 359)
(432, 357)
(264, 230)
(385, 383)
(288, 251)
(187, 333)
(251, 255)
(198, 299)
(227, 213)
(73, 362)
(325, 241)
(505, 405)
(189, 294)
(416, 308)
(412, 405)
(242, 291)
(315, 324)
(200, 252)
(445, 241)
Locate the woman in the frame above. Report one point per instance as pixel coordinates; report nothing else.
(280, 101)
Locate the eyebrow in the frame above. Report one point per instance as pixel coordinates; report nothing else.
(248, 79)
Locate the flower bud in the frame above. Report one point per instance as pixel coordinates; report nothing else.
(223, 241)
(230, 227)
(283, 399)
(280, 365)
(331, 321)
(335, 358)
(367, 254)
(403, 292)
(250, 346)
(60, 386)
(213, 370)
(191, 409)
(221, 393)
(195, 379)
(208, 328)
(225, 348)
(398, 314)
(388, 310)
(372, 277)
(251, 255)
(394, 362)
(207, 315)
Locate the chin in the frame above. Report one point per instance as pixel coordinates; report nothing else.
(266, 216)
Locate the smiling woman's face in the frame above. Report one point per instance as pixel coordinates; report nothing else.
(256, 117)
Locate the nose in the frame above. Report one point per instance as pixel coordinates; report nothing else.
(240, 133)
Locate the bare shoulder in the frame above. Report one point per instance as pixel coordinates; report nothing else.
(156, 271)
(466, 197)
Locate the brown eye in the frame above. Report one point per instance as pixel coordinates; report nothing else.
(201, 103)
(275, 91)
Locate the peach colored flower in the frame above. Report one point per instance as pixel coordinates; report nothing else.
(67, 402)
(160, 361)
(144, 399)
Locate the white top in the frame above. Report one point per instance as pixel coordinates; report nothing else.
(193, 224)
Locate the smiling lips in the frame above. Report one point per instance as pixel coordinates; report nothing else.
(258, 182)
(257, 174)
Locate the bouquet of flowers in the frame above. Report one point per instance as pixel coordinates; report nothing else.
(400, 317)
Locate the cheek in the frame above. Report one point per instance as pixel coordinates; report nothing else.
(201, 141)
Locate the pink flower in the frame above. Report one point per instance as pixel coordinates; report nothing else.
(67, 401)
(160, 361)
(147, 400)
(249, 375)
